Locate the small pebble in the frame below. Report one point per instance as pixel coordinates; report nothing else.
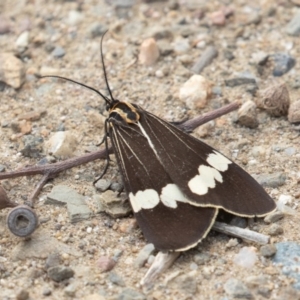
(102, 185)
(275, 229)
(62, 144)
(70, 290)
(283, 63)
(105, 263)
(246, 257)
(271, 180)
(58, 52)
(116, 279)
(218, 18)
(268, 250)
(247, 115)
(116, 187)
(293, 27)
(47, 292)
(273, 217)
(22, 295)
(149, 52)
(60, 273)
(294, 112)
(237, 289)
(22, 41)
(240, 81)
(232, 243)
(74, 17)
(181, 46)
(97, 30)
(195, 92)
(144, 255)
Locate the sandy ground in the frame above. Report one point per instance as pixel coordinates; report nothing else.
(251, 28)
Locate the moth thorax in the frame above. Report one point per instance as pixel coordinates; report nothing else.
(126, 111)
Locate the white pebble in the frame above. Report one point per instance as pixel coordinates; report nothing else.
(89, 229)
(246, 257)
(195, 92)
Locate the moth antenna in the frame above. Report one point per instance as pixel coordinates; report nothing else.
(103, 66)
(106, 99)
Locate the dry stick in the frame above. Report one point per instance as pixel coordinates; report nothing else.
(51, 170)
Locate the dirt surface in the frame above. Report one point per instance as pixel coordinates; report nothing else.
(272, 147)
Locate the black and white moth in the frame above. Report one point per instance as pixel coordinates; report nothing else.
(176, 184)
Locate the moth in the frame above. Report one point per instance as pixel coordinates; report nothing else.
(176, 183)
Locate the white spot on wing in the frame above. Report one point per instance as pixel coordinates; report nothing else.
(170, 194)
(146, 199)
(206, 179)
(218, 161)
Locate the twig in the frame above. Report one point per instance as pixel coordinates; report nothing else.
(245, 234)
(163, 261)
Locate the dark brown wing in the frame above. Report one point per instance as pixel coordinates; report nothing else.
(184, 158)
(168, 228)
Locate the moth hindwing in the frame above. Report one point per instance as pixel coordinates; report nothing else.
(176, 183)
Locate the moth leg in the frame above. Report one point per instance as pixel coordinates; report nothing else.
(104, 140)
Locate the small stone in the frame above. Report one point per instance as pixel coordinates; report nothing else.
(149, 52)
(195, 92)
(181, 46)
(105, 263)
(205, 59)
(271, 180)
(275, 100)
(22, 41)
(274, 230)
(237, 289)
(116, 279)
(293, 27)
(201, 258)
(218, 18)
(32, 146)
(144, 255)
(52, 260)
(268, 250)
(206, 129)
(247, 115)
(128, 225)
(97, 30)
(246, 257)
(12, 70)
(232, 243)
(70, 290)
(76, 205)
(2, 168)
(25, 126)
(102, 185)
(187, 282)
(62, 144)
(116, 187)
(58, 52)
(283, 63)
(22, 295)
(294, 112)
(130, 294)
(273, 217)
(60, 273)
(74, 17)
(47, 292)
(113, 204)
